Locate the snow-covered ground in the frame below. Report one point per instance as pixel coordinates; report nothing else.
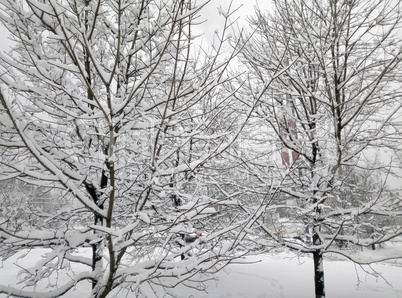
(271, 275)
(286, 276)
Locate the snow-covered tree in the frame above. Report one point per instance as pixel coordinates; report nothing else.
(335, 101)
(108, 107)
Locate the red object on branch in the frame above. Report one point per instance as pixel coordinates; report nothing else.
(190, 238)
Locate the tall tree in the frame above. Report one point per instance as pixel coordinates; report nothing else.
(105, 105)
(336, 98)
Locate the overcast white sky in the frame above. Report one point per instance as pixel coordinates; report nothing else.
(210, 13)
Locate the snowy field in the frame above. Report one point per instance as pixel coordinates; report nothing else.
(276, 275)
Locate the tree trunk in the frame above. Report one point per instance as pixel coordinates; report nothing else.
(97, 247)
(96, 254)
(319, 274)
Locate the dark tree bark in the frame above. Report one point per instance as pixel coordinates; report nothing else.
(319, 274)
